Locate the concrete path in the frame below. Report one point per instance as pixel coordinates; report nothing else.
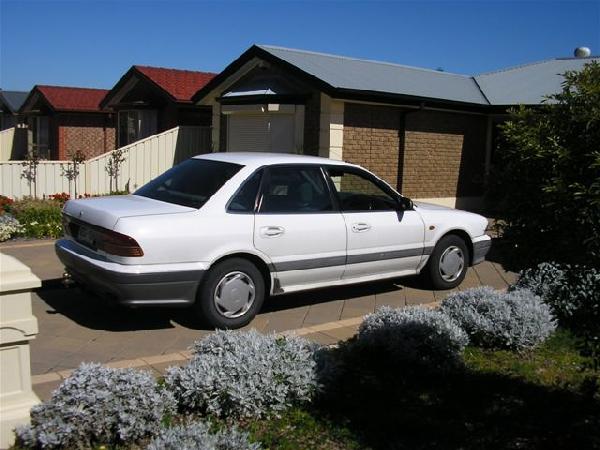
(77, 327)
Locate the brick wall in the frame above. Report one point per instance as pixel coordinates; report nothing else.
(372, 138)
(444, 154)
(424, 154)
(92, 134)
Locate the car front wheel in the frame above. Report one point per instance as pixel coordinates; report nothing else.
(231, 295)
(448, 264)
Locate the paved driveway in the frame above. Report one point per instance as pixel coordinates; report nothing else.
(76, 327)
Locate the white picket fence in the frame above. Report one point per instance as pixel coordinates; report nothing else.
(144, 160)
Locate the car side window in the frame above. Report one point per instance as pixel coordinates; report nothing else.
(356, 192)
(244, 200)
(295, 189)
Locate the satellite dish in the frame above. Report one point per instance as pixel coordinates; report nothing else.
(582, 52)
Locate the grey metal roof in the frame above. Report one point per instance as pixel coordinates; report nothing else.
(527, 84)
(530, 83)
(12, 99)
(375, 76)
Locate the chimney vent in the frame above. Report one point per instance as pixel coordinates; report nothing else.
(582, 52)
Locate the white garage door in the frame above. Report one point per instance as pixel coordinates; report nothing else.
(260, 132)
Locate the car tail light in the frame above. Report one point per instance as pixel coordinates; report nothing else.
(117, 244)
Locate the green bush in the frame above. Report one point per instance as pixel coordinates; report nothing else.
(39, 218)
(546, 185)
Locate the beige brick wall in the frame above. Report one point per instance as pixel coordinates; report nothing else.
(372, 138)
(444, 154)
(424, 154)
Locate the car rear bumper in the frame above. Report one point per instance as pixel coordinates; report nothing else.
(147, 287)
(481, 247)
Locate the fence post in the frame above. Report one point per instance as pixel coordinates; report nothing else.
(17, 327)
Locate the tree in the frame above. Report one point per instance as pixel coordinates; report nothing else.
(113, 168)
(547, 180)
(29, 172)
(71, 172)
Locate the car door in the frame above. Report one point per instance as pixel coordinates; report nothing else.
(297, 226)
(381, 236)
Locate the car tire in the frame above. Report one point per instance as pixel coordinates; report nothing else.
(448, 263)
(231, 294)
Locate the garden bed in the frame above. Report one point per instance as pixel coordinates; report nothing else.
(536, 399)
(487, 369)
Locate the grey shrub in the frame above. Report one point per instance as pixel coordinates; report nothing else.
(573, 292)
(495, 319)
(98, 405)
(419, 337)
(198, 436)
(245, 374)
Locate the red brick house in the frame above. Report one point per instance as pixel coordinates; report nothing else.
(62, 120)
(428, 133)
(150, 100)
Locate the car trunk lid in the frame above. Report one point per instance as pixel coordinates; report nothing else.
(106, 211)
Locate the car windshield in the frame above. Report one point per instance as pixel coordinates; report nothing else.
(190, 183)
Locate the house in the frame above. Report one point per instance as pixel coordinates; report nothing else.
(428, 133)
(13, 137)
(62, 120)
(150, 100)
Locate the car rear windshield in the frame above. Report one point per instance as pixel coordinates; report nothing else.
(190, 183)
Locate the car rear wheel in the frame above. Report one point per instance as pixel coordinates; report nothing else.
(448, 264)
(231, 295)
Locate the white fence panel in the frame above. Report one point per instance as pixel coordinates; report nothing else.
(144, 160)
(6, 143)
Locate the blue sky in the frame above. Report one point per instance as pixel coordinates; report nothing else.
(92, 43)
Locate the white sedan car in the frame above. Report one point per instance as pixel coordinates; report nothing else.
(220, 232)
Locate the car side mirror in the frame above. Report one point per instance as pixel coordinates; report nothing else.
(405, 203)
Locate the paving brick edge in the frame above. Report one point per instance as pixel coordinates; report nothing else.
(185, 355)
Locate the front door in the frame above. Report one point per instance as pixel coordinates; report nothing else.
(381, 237)
(297, 226)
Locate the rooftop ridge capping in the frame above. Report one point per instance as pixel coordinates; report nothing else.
(140, 66)
(534, 63)
(68, 87)
(372, 61)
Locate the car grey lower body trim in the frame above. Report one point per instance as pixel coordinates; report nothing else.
(318, 263)
(480, 250)
(159, 288)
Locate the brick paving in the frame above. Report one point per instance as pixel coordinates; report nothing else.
(75, 327)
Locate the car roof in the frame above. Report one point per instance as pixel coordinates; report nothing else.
(257, 159)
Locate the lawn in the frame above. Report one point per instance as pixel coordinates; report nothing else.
(544, 398)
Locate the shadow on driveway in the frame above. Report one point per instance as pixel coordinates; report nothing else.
(96, 313)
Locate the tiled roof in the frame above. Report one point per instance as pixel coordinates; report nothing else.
(179, 84)
(63, 98)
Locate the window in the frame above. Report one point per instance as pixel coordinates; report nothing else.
(190, 183)
(135, 125)
(358, 192)
(295, 190)
(39, 136)
(244, 200)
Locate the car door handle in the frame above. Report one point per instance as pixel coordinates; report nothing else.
(360, 227)
(271, 231)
